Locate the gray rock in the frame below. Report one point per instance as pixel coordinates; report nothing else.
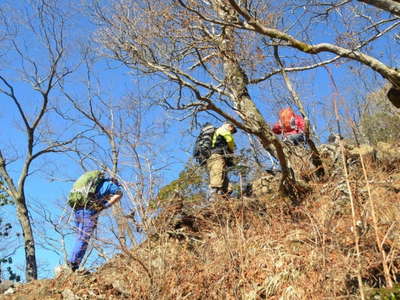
(69, 295)
(5, 285)
(62, 269)
(9, 291)
(121, 287)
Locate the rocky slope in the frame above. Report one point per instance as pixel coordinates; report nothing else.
(262, 247)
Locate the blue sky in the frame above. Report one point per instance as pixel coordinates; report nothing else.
(167, 139)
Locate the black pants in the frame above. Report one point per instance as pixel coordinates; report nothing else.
(296, 139)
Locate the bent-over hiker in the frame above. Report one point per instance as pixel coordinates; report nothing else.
(222, 149)
(291, 126)
(91, 193)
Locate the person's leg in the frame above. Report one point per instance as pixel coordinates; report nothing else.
(217, 171)
(86, 221)
(228, 187)
(296, 139)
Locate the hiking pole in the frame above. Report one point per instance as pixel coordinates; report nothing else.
(338, 124)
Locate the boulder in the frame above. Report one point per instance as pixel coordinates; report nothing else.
(5, 285)
(67, 294)
(267, 183)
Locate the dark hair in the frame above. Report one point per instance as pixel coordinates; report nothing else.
(115, 181)
(234, 130)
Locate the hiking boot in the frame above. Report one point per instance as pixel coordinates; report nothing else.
(82, 272)
(215, 194)
(73, 266)
(216, 191)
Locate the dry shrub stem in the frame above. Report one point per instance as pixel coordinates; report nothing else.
(147, 271)
(386, 272)
(353, 215)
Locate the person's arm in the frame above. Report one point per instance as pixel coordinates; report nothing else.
(227, 135)
(113, 199)
(300, 123)
(110, 193)
(277, 129)
(230, 141)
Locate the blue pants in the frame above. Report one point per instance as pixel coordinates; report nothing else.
(85, 222)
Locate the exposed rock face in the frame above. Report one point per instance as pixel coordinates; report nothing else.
(267, 183)
(5, 285)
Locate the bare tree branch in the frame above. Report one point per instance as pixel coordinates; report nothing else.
(390, 6)
(254, 24)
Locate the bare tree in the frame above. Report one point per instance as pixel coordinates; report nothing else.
(43, 76)
(213, 52)
(202, 58)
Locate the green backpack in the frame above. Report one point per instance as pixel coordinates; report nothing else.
(84, 189)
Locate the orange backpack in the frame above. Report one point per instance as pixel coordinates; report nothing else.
(287, 119)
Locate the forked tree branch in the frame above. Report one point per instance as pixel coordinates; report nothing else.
(253, 24)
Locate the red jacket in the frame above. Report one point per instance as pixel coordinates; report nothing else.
(299, 128)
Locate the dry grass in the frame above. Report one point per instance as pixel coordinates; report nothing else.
(256, 248)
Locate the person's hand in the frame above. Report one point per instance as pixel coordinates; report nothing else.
(110, 200)
(106, 204)
(230, 161)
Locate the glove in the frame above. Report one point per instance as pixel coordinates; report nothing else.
(229, 162)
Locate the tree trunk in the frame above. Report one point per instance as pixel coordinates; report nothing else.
(316, 158)
(236, 81)
(30, 254)
(23, 216)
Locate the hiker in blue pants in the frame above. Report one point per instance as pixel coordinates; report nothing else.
(107, 192)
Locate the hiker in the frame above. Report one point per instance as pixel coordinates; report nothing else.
(222, 149)
(291, 126)
(91, 194)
